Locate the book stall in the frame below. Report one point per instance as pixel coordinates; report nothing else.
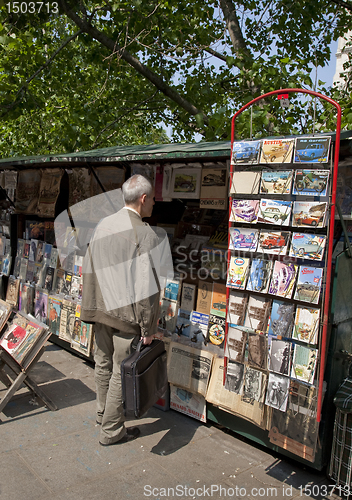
(244, 318)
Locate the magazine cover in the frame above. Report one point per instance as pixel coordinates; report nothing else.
(189, 403)
(274, 212)
(311, 182)
(188, 296)
(312, 149)
(20, 247)
(218, 300)
(277, 391)
(84, 342)
(234, 377)
(235, 344)
(276, 182)
(257, 314)
(237, 307)
(13, 339)
(273, 242)
(244, 211)
(257, 348)
(304, 363)
(280, 356)
(183, 322)
(245, 153)
(172, 289)
(254, 385)
(309, 284)
(243, 238)
(216, 330)
(54, 313)
(306, 325)
(281, 319)
(276, 151)
(12, 292)
(307, 246)
(308, 214)
(6, 264)
(26, 298)
(204, 297)
(5, 311)
(34, 229)
(168, 315)
(199, 326)
(41, 305)
(238, 272)
(283, 279)
(246, 182)
(259, 275)
(23, 269)
(67, 319)
(32, 249)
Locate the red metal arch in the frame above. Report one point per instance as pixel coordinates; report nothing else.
(332, 218)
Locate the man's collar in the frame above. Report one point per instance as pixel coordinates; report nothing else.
(133, 210)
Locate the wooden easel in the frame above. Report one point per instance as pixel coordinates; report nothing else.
(21, 376)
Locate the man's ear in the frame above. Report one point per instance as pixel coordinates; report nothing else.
(143, 198)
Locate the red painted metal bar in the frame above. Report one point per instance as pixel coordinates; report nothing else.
(331, 227)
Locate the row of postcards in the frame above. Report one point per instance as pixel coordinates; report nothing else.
(273, 151)
(300, 182)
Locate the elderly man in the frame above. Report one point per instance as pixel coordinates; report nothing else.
(121, 292)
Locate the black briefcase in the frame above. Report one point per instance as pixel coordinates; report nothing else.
(144, 378)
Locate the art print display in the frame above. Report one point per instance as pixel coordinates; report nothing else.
(308, 214)
(254, 385)
(243, 239)
(244, 211)
(310, 182)
(238, 272)
(307, 246)
(235, 344)
(275, 212)
(281, 319)
(283, 279)
(186, 183)
(245, 182)
(306, 326)
(213, 190)
(276, 182)
(257, 348)
(273, 242)
(280, 356)
(257, 314)
(277, 391)
(312, 149)
(276, 151)
(234, 377)
(309, 283)
(245, 152)
(304, 363)
(237, 306)
(259, 275)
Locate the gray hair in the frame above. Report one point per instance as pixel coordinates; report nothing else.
(135, 187)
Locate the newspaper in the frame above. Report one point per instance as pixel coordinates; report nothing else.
(189, 368)
(186, 402)
(230, 401)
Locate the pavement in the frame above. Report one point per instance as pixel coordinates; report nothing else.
(56, 454)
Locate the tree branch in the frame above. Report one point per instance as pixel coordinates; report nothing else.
(344, 4)
(233, 26)
(143, 70)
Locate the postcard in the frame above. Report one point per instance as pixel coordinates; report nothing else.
(275, 212)
(304, 363)
(238, 272)
(259, 275)
(243, 238)
(307, 246)
(309, 284)
(257, 350)
(234, 377)
(308, 214)
(281, 319)
(235, 344)
(306, 325)
(236, 307)
(276, 151)
(312, 149)
(280, 356)
(257, 314)
(276, 181)
(311, 182)
(283, 279)
(273, 242)
(244, 211)
(254, 385)
(245, 153)
(245, 182)
(277, 391)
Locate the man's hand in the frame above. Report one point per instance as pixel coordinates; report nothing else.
(147, 340)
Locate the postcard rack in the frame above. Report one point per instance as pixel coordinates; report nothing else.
(281, 227)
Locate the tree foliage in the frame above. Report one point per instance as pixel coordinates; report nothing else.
(100, 73)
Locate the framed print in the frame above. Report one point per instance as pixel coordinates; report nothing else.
(186, 183)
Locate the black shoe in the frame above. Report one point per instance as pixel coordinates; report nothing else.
(131, 434)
